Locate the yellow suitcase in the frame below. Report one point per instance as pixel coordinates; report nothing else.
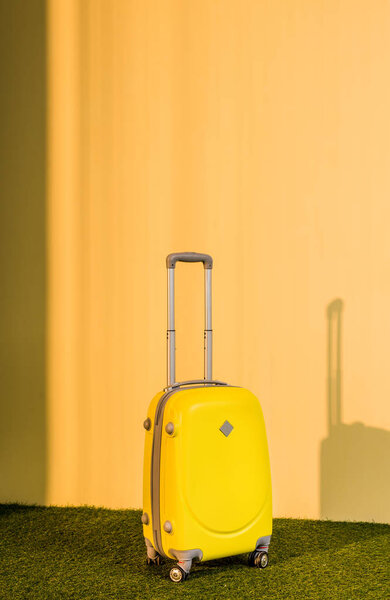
(207, 482)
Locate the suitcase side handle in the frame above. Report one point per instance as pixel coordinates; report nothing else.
(194, 382)
(175, 257)
(171, 333)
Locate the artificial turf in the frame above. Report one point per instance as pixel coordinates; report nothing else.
(93, 553)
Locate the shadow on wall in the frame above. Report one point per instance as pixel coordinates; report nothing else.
(22, 251)
(354, 472)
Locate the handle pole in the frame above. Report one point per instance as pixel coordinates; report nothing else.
(171, 332)
(208, 330)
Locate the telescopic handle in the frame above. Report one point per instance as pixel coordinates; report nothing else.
(175, 257)
(207, 261)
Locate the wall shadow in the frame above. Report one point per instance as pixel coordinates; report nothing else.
(354, 467)
(22, 250)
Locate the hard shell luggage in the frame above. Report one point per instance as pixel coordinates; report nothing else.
(207, 482)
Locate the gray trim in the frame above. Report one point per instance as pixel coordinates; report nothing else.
(155, 464)
(175, 257)
(263, 541)
(194, 382)
(150, 550)
(186, 554)
(185, 557)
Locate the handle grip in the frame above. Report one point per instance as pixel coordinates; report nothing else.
(175, 257)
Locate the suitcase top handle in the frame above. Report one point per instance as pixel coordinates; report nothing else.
(207, 261)
(175, 257)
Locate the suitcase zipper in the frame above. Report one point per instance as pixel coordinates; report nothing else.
(155, 472)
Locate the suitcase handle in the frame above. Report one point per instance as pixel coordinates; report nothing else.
(175, 257)
(207, 261)
(194, 382)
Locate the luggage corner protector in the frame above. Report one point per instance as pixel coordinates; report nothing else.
(263, 541)
(186, 554)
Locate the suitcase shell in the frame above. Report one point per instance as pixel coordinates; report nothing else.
(206, 494)
(207, 484)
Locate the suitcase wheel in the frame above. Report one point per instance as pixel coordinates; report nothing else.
(154, 561)
(258, 559)
(178, 574)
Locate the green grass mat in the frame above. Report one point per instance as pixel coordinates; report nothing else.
(93, 553)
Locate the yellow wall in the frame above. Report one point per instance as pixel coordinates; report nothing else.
(258, 132)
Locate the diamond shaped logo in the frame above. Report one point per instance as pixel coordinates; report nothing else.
(226, 428)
